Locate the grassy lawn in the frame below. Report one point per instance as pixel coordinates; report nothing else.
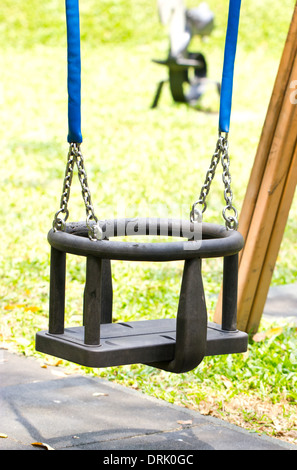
(139, 162)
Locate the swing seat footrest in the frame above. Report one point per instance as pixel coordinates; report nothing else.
(143, 342)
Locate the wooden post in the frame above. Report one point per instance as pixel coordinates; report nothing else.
(273, 247)
(266, 208)
(281, 86)
(269, 193)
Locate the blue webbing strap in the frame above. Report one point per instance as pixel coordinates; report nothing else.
(74, 71)
(228, 68)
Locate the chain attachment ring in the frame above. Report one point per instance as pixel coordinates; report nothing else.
(94, 230)
(196, 214)
(231, 221)
(58, 222)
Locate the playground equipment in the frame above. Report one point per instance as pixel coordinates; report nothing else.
(176, 345)
(187, 71)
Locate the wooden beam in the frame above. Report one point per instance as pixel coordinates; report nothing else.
(272, 162)
(273, 246)
(264, 215)
(281, 85)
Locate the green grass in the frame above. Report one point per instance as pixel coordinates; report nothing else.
(139, 161)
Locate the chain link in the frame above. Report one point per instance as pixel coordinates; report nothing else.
(221, 153)
(196, 214)
(59, 223)
(231, 221)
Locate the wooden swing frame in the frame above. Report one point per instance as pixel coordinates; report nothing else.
(270, 192)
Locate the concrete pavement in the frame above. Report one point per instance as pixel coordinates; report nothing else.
(75, 412)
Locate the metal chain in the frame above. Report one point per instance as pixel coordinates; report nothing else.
(196, 214)
(221, 153)
(59, 223)
(231, 221)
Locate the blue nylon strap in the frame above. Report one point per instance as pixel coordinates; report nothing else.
(228, 68)
(74, 71)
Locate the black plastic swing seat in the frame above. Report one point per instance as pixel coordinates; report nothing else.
(145, 342)
(177, 345)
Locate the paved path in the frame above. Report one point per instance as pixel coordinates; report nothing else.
(71, 412)
(281, 303)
